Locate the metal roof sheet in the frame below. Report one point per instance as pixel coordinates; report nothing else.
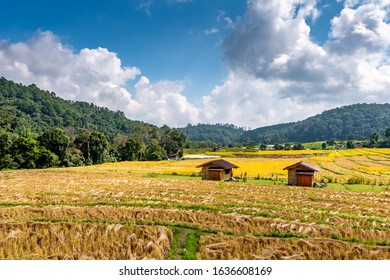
(302, 163)
(221, 163)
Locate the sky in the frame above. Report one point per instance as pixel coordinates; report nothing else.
(249, 63)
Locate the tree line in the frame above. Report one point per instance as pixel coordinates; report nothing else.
(358, 121)
(55, 147)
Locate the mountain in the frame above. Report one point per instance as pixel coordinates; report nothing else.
(216, 133)
(28, 108)
(25, 109)
(356, 121)
(40, 130)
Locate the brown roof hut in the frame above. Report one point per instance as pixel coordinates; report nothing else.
(217, 170)
(301, 174)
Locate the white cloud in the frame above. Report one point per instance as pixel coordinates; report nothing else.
(278, 74)
(96, 76)
(211, 31)
(226, 21)
(145, 6)
(163, 103)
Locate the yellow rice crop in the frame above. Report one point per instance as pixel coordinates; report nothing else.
(116, 211)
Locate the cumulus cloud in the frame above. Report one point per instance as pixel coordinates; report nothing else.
(163, 103)
(96, 76)
(277, 73)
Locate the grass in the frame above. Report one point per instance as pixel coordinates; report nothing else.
(191, 246)
(357, 187)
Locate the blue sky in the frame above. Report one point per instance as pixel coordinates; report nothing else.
(251, 63)
(166, 39)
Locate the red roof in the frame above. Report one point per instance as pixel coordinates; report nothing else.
(221, 163)
(304, 164)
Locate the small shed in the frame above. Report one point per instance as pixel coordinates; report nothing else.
(217, 170)
(301, 174)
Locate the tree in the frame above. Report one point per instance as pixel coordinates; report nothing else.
(23, 151)
(6, 160)
(93, 145)
(331, 142)
(263, 147)
(351, 144)
(173, 141)
(56, 141)
(298, 146)
(323, 145)
(74, 157)
(374, 140)
(45, 158)
(278, 147)
(132, 149)
(154, 151)
(387, 133)
(287, 147)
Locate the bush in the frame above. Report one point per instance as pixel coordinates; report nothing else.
(356, 180)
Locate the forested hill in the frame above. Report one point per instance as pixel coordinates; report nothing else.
(28, 108)
(358, 121)
(215, 133)
(25, 109)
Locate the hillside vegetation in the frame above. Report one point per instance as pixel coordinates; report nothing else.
(29, 109)
(358, 122)
(214, 133)
(40, 130)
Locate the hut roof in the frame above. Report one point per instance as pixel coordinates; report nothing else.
(221, 163)
(304, 164)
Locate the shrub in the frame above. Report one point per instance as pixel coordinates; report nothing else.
(356, 180)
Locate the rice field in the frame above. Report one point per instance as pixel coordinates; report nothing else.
(122, 211)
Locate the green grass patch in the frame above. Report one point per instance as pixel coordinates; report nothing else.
(191, 246)
(357, 187)
(177, 233)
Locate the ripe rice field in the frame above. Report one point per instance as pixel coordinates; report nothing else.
(131, 210)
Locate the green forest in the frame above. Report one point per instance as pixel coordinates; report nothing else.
(353, 122)
(39, 129)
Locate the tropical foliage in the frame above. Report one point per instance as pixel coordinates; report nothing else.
(39, 130)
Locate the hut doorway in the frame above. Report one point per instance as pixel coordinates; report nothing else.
(305, 180)
(215, 174)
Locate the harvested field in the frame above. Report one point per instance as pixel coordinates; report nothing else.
(119, 211)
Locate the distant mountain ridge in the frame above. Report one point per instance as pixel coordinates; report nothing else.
(216, 133)
(28, 108)
(356, 121)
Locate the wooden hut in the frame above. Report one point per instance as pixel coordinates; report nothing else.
(301, 174)
(217, 170)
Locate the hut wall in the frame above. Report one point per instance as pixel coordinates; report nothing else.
(213, 172)
(305, 180)
(292, 177)
(227, 174)
(295, 179)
